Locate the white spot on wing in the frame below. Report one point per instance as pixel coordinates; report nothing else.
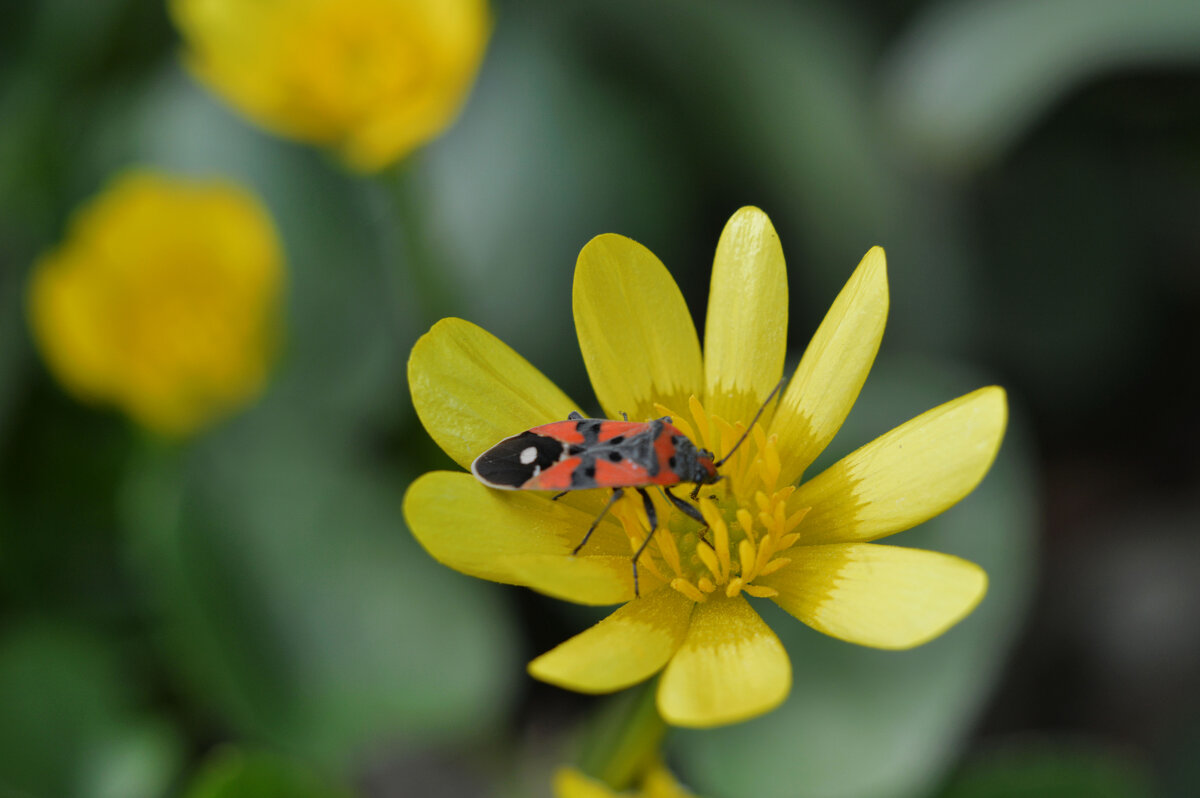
(528, 455)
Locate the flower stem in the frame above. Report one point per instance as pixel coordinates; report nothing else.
(420, 258)
(625, 739)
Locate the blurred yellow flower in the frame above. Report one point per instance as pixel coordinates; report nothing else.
(373, 79)
(657, 783)
(769, 532)
(163, 300)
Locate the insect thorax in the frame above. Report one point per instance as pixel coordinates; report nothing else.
(689, 463)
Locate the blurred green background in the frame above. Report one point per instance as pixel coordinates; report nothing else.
(246, 614)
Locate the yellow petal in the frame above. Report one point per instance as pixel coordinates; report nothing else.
(584, 579)
(745, 336)
(661, 783)
(879, 596)
(731, 667)
(518, 537)
(834, 367)
(637, 339)
(571, 783)
(627, 647)
(907, 476)
(470, 390)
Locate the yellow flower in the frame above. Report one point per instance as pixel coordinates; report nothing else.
(657, 783)
(162, 300)
(373, 79)
(771, 533)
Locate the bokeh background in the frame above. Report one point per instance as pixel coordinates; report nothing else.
(244, 613)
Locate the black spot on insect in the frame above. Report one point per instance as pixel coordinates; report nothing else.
(579, 479)
(671, 462)
(616, 457)
(589, 429)
(590, 471)
(616, 440)
(513, 461)
(575, 449)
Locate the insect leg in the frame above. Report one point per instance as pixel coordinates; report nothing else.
(651, 513)
(652, 517)
(616, 494)
(690, 510)
(695, 494)
(558, 496)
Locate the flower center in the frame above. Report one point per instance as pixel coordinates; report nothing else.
(749, 526)
(344, 60)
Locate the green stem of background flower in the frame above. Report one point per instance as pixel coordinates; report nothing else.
(625, 738)
(421, 265)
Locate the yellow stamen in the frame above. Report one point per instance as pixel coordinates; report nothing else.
(702, 424)
(688, 589)
(746, 557)
(795, 518)
(764, 556)
(669, 551)
(680, 423)
(773, 566)
(748, 525)
(747, 522)
(709, 558)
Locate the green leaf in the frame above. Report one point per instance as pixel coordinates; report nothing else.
(64, 40)
(236, 773)
(141, 758)
(298, 606)
(13, 341)
(968, 79)
(1046, 768)
(879, 724)
(69, 725)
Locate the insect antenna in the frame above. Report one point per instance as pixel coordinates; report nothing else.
(753, 421)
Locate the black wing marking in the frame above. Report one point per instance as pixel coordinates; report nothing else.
(514, 461)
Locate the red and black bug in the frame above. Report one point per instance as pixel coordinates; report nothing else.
(583, 453)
